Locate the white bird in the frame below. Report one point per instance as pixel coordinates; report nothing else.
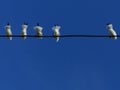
(112, 32)
(56, 31)
(24, 30)
(38, 30)
(8, 31)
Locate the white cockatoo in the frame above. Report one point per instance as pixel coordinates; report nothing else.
(38, 30)
(24, 30)
(56, 31)
(112, 32)
(8, 31)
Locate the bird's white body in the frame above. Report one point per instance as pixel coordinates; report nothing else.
(112, 32)
(38, 30)
(8, 32)
(56, 31)
(24, 31)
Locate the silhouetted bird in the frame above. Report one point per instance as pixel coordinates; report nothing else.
(112, 32)
(38, 30)
(8, 31)
(56, 31)
(24, 30)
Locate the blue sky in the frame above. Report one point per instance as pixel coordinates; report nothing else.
(70, 64)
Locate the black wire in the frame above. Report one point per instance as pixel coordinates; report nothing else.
(63, 36)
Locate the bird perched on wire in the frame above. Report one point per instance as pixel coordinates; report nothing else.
(112, 32)
(24, 30)
(56, 32)
(8, 31)
(38, 30)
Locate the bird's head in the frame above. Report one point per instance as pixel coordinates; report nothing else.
(8, 23)
(38, 24)
(109, 26)
(108, 23)
(25, 23)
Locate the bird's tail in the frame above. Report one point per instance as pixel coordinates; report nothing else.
(40, 37)
(57, 39)
(24, 34)
(24, 37)
(10, 38)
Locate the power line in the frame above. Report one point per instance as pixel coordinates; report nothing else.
(63, 36)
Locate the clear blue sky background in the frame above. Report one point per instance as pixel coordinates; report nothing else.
(71, 64)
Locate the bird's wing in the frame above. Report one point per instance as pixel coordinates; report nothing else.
(113, 34)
